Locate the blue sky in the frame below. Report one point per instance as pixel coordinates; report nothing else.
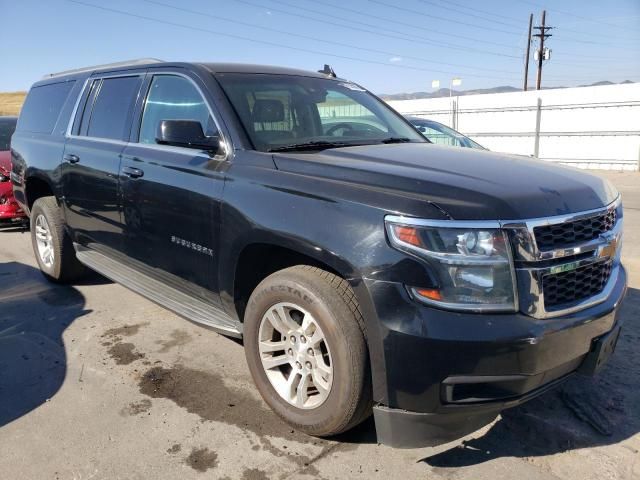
(389, 46)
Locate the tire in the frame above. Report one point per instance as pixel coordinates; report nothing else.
(325, 303)
(61, 266)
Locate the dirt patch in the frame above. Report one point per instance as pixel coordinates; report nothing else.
(178, 338)
(205, 394)
(125, 330)
(136, 408)
(254, 474)
(124, 353)
(202, 459)
(175, 448)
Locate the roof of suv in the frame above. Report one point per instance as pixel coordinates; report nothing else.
(251, 68)
(212, 67)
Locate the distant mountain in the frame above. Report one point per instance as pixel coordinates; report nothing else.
(444, 92)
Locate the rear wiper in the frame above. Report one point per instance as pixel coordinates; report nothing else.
(395, 140)
(317, 145)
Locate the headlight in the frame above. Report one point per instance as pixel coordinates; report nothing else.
(471, 262)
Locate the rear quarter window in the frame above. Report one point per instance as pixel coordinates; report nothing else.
(42, 107)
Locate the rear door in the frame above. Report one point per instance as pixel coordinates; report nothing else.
(92, 158)
(171, 195)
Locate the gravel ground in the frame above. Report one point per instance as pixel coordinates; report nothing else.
(98, 383)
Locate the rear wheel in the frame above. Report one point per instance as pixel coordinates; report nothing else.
(52, 246)
(306, 350)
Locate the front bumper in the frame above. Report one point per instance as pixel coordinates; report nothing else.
(448, 374)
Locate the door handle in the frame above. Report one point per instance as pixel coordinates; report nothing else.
(71, 158)
(132, 172)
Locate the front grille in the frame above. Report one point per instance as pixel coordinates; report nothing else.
(562, 235)
(583, 282)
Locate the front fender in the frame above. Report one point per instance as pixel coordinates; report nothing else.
(326, 221)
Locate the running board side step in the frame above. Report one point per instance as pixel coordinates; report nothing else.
(168, 297)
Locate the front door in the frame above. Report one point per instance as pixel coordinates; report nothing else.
(171, 195)
(91, 161)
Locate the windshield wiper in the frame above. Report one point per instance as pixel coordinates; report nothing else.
(317, 145)
(395, 140)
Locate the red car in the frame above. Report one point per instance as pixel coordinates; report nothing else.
(10, 212)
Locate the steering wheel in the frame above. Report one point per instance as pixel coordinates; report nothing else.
(338, 126)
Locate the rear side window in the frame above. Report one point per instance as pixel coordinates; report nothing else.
(42, 107)
(112, 108)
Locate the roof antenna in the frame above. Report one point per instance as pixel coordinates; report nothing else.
(327, 70)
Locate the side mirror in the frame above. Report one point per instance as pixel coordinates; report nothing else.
(186, 133)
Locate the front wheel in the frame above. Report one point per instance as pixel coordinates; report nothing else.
(306, 350)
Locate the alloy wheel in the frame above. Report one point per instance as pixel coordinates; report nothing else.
(295, 355)
(44, 241)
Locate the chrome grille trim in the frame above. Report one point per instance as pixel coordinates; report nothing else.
(533, 264)
(524, 240)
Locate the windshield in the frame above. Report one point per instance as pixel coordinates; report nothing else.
(7, 127)
(288, 113)
(442, 135)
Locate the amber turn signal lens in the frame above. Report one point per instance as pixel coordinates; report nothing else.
(408, 235)
(432, 293)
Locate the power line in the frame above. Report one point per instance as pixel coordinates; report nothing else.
(571, 14)
(449, 8)
(316, 39)
(493, 14)
(593, 57)
(397, 22)
(444, 19)
(262, 41)
(487, 13)
(376, 29)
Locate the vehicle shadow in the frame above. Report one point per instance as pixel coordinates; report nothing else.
(33, 316)
(583, 412)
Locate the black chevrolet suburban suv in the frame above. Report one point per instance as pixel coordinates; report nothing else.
(365, 269)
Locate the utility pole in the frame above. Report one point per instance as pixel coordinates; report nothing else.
(541, 51)
(526, 62)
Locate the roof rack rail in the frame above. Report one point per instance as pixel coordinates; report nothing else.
(126, 63)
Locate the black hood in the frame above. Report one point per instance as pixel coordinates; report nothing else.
(468, 184)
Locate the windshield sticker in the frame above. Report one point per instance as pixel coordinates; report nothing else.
(352, 86)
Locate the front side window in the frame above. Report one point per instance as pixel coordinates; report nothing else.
(113, 106)
(290, 112)
(172, 97)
